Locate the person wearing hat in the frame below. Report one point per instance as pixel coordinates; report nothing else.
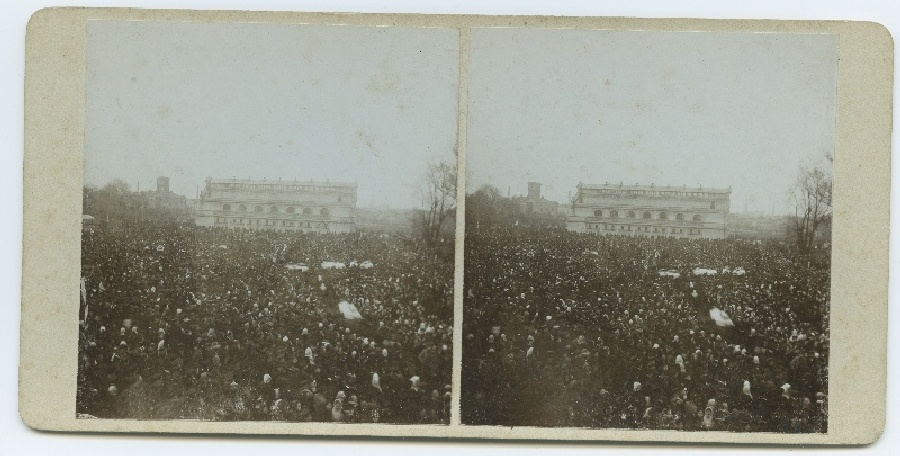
(321, 409)
(709, 415)
(413, 403)
(337, 411)
(434, 407)
(351, 409)
(783, 409)
(820, 413)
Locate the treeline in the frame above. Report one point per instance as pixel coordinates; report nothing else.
(115, 202)
(487, 207)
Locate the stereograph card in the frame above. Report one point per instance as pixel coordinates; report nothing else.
(493, 227)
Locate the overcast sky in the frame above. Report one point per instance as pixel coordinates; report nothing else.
(189, 100)
(713, 109)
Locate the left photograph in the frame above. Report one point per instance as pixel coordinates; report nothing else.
(268, 223)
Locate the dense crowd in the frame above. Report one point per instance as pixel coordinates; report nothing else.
(186, 322)
(579, 330)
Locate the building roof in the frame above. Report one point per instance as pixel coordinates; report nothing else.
(657, 188)
(211, 180)
(526, 198)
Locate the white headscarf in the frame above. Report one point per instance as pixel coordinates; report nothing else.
(376, 382)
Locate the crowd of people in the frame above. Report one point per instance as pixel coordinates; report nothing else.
(187, 322)
(580, 330)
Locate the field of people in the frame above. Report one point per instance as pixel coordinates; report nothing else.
(565, 329)
(186, 322)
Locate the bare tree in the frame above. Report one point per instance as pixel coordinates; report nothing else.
(811, 196)
(438, 198)
(491, 192)
(117, 187)
(483, 205)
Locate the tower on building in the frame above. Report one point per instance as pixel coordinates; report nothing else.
(534, 190)
(162, 184)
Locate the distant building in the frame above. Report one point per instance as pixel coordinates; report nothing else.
(534, 203)
(318, 207)
(649, 210)
(757, 226)
(115, 203)
(164, 200)
(385, 220)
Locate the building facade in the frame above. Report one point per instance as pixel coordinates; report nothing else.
(649, 210)
(164, 200)
(385, 220)
(534, 203)
(116, 203)
(309, 207)
(757, 226)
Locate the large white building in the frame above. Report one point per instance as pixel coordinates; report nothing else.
(649, 210)
(317, 207)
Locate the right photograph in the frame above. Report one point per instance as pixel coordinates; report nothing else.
(648, 230)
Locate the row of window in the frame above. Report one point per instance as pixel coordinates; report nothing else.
(274, 209)
(643, 229)
(647, 215)
(258, 222)
(277, 186)
(613, 191)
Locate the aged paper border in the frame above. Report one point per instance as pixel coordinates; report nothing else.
(53, 173)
